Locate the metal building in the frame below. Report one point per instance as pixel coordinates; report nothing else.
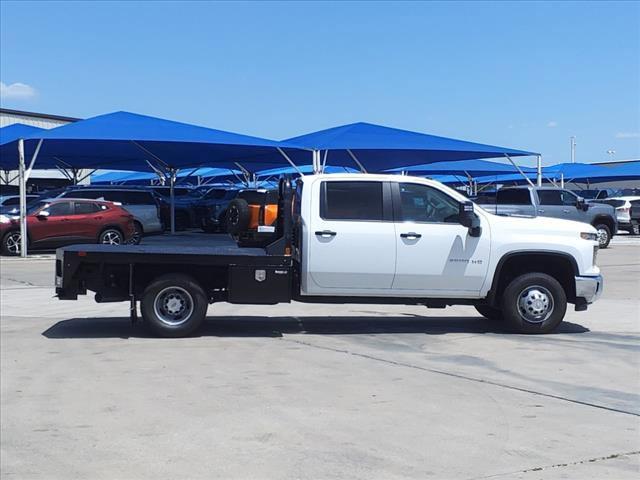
(39, 179)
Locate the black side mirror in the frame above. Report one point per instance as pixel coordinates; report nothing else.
(581, 204)
(468, 218)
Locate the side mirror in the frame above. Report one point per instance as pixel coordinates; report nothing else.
(43, 214)
(581, 204)
(468, 218)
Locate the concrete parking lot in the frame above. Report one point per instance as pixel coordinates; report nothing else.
(318, 391)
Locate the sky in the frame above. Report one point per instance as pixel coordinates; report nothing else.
(522, 75)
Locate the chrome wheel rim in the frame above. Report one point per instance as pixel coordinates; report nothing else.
(111, 237)
(602, 236)
(535, 304)
(13, 243)
(173, 306)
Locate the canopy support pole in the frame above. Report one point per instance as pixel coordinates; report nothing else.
(324, 162)
(23, 199)
(539, 170)
(353, 157)
(561, 180)
(33, 160)
(172, 181)
(88, 174)
(293, 164)
(522, 173)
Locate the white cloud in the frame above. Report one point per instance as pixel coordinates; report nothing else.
(552, 124)
(628, 135)
(16, 91)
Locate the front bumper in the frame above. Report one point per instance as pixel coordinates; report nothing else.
(588, 289)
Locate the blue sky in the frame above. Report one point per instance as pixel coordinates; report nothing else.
(522, 75)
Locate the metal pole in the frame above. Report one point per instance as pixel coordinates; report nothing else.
(353, 157)
(520, 170)
(561, 180)
(23, 200)
(573, 149)
(539, 173)
(286, 157)
(172, 181)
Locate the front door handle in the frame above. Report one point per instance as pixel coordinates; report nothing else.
(326, 233)
(565, 211)
(541, 211)
(411, 235)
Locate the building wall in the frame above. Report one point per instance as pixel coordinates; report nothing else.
(7, 119)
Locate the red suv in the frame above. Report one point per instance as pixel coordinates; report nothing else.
(58, 222)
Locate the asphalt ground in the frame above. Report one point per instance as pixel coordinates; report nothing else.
(317, 391)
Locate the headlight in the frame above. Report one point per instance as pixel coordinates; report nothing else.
(589, 236)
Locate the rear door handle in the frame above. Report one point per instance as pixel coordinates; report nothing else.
(326, 233)
(565, 211)
(410, 235)
(540, 211)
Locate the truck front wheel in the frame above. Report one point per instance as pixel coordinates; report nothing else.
(174, 305)
(534, 303)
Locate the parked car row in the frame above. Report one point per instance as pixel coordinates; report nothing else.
(58, 222)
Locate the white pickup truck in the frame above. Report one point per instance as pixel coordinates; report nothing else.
(357, 238)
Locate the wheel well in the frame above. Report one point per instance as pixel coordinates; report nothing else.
(605, 220)
(561, 267)
(139, 225)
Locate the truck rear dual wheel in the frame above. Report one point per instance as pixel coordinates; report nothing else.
(533, 303)
(174, 305)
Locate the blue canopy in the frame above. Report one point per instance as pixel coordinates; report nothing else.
(13, 132)
(129, 141)
(124, 177)
(275, 172)
(574, 172)
(463, 167)
(381, 148)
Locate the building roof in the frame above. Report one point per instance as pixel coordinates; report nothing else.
(46, 116)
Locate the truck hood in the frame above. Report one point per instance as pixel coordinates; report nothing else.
(541, 224)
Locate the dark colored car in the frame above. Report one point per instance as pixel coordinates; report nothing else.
(185, 200)
(65, 221)
(211, 209)
(10, 204)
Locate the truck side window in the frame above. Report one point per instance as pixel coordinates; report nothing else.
(421, 203)
(351, 201)
(555, 197)
(513, 196)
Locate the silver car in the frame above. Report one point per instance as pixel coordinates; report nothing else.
(141, 203)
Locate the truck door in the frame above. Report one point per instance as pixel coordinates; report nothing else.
(436, 256)
(559, 204)
(350, 247)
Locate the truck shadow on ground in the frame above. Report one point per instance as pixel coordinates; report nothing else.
(255, 326)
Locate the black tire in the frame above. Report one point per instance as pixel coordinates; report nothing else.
(490, 313)
(523, 303)
(11, 243)
(634, 229)
(604, 235)
(111, 236)
(237, 217)
(137, 233)
(179, 315)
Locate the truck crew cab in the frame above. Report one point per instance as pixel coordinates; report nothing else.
(357, 238)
